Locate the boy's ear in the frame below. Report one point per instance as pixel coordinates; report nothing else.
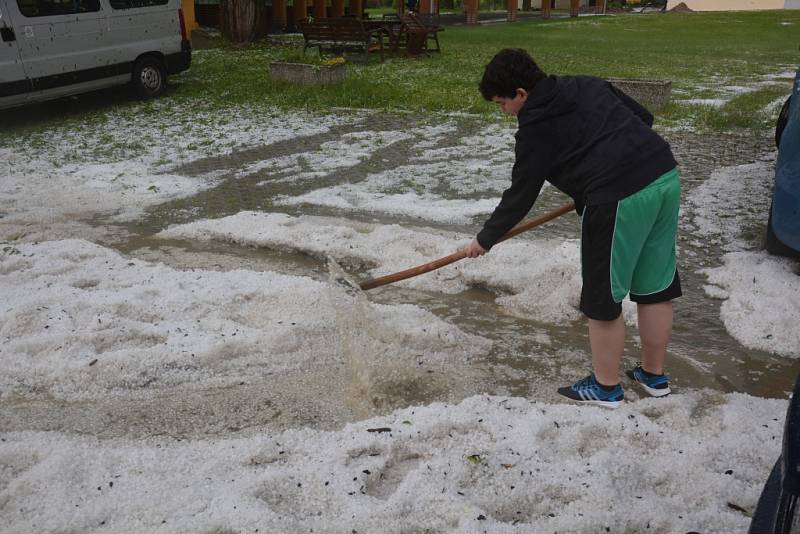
(522, 93)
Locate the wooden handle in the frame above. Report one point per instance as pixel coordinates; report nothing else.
(461, 254)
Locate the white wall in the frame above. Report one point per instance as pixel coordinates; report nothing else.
(732, 5)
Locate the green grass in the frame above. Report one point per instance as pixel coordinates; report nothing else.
(377, 12)
(743, 111)
(700, 52)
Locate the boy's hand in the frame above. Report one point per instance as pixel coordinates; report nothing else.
(474, 249)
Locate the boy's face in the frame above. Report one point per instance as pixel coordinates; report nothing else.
(511, 105)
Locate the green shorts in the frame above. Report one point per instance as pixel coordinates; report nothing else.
(628, 247)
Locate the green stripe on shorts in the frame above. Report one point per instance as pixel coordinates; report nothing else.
(643, 246)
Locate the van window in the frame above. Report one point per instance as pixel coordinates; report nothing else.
(46, 8)
(128, 4)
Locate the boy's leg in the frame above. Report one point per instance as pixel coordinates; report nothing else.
(606, 326)
(655, 281)
(607, 341)
(655, 328)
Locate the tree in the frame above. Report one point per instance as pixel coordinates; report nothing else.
(239, 19)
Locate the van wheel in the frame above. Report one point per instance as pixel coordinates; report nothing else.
(149, 77)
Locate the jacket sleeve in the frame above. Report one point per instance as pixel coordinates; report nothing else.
(527, 179)
(638, 110)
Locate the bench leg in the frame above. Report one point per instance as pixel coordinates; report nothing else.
(417, 44)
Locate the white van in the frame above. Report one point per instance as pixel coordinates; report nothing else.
(54, 48)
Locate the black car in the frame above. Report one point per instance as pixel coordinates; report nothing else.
(777, 511)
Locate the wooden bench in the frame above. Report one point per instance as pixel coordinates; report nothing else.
(339, 35)
(393, 29)
(420, 32)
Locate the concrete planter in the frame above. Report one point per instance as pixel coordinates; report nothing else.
(305, 74)
(651, 93)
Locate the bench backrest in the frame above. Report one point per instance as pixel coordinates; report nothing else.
(427, 19)
(413, 23)
(334, 29)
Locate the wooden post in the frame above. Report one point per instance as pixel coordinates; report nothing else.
(279, 14)
(600, 7)
(356, 8)
(424, 7)
(471, 7)
(189, 19)
(526, 5)
(298, 11)
(337, 8)
(574, 6)
(319, 9)
(545, 9)
(512, 10)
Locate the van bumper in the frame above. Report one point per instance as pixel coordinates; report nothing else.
(180, 61)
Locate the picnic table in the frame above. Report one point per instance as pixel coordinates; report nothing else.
(408, 32)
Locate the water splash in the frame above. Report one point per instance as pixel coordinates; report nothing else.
(381, 358)
(342, 279)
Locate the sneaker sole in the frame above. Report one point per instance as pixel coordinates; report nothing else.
(656, 392)
(653, 392)
(611, 405)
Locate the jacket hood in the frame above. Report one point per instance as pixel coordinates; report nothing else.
(551, 97)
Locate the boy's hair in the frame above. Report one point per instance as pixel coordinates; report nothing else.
(509, 69)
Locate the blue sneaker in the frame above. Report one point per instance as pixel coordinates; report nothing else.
(588, 391)
(655, 385)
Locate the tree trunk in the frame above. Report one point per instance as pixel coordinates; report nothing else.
(238, 19)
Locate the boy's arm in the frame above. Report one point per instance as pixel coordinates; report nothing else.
(527, 179)
(639, 110)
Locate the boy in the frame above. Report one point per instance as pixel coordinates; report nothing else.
(596, 144)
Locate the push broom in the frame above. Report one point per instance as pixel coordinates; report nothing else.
(461, 254)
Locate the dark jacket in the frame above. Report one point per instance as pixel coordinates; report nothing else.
(590, 140)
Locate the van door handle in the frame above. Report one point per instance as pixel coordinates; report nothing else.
(7, 35)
